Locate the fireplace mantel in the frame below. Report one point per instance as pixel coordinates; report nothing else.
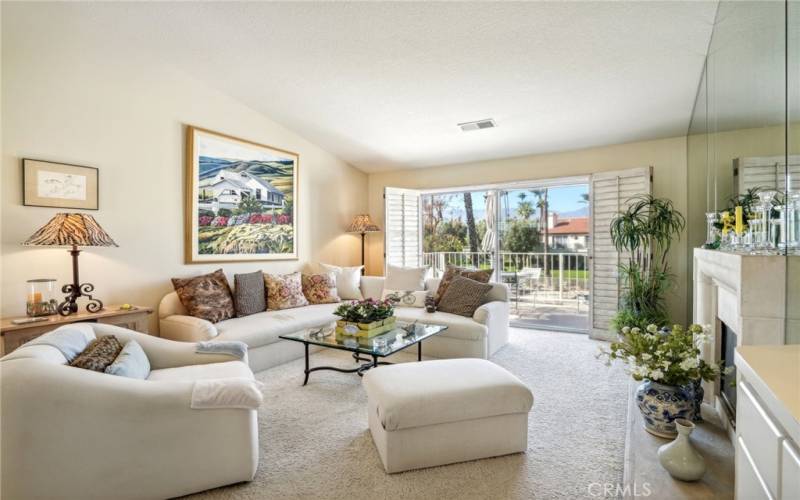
(747, 293)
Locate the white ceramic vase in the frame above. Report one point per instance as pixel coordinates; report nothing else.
(679, 457)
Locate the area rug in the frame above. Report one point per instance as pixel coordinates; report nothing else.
(315, 442)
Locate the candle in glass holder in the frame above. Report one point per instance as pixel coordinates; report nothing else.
(739, 228)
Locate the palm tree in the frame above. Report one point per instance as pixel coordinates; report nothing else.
(472, 232)
(541, 204)
(525, 209)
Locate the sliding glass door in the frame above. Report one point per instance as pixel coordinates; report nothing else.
(535, 237)
(543, 242)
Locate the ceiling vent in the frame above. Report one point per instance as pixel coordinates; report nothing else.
(478, 125)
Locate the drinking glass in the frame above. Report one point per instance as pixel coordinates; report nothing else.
(766, 244)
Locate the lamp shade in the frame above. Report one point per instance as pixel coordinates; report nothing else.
(363, 224)
(71, 229)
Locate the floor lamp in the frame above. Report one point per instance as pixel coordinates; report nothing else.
(362, 224)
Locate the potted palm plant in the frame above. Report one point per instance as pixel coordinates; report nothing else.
(644, 232)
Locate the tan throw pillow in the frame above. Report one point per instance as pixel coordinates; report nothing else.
(98, 354)
(207, 296)
(479, 275)
(320, 288)
(284, 291)
(463, 296)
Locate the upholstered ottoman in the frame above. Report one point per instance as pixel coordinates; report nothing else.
(445, 411)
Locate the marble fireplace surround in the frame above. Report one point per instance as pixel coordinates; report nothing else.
(747, 293)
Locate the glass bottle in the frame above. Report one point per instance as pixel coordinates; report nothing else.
(712, 233)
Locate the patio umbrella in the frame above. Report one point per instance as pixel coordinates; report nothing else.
(491, 219)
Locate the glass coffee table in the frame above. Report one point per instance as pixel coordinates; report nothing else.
(365, 350)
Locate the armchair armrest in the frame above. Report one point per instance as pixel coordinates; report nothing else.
(163, 353)
(186, 328)
(491, 312)
(494, 315)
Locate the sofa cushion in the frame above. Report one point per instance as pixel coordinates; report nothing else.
(131, 362)
(207, 296)
(463, 296)
(320, 288)
(284, 291)
(480, 275)
(405, 298)
(405, 278)
(411, 395)
(458, 327)
(228, 369)
(348, 280)
(98, 354)
(249, 293)
(264, 328)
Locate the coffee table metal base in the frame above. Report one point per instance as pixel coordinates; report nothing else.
(370, 363)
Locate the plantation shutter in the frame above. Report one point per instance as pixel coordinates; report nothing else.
(766, 172)
(403, 243)
(609, 195)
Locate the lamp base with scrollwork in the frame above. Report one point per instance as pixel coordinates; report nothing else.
(77, 289)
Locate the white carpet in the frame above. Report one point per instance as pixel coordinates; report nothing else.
(315, 442)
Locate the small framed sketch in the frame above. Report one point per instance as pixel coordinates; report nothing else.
(59, 185)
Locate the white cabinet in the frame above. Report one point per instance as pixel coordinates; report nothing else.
(767, 426)
(790, 471)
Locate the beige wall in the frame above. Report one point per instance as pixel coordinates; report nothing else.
(719, 150)
(666, 156)
(75, 101)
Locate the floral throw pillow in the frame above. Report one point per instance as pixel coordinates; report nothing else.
(320, 288)
(284, 291)
(207, 296)
(452, 272)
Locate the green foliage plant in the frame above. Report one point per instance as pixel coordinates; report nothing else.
(645, 232)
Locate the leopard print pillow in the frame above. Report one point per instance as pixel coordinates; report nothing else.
(479, 275)
(284, 291)
(98, 354)
(207, 296)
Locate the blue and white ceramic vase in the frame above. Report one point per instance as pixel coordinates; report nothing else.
(660, 405)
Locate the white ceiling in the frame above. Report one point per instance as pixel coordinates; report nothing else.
(383, 85)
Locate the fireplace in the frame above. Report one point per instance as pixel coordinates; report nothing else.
(743, 299)
(727, 382)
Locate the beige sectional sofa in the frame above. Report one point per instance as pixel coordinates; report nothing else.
(477, 337)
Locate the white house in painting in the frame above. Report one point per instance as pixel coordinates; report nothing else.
(227, 188)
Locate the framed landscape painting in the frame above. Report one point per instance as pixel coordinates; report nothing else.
(241, 199)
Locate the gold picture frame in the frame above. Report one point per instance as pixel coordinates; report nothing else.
(240, 199)
(59, 185)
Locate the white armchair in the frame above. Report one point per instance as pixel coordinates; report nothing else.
(74, 433)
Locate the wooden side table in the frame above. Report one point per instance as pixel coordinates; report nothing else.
(13, 336)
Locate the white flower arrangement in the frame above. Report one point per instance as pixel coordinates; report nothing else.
(668, 356)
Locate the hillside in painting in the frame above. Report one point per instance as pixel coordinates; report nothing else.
(209, 166)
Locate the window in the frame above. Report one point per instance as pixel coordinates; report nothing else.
(258, 193)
